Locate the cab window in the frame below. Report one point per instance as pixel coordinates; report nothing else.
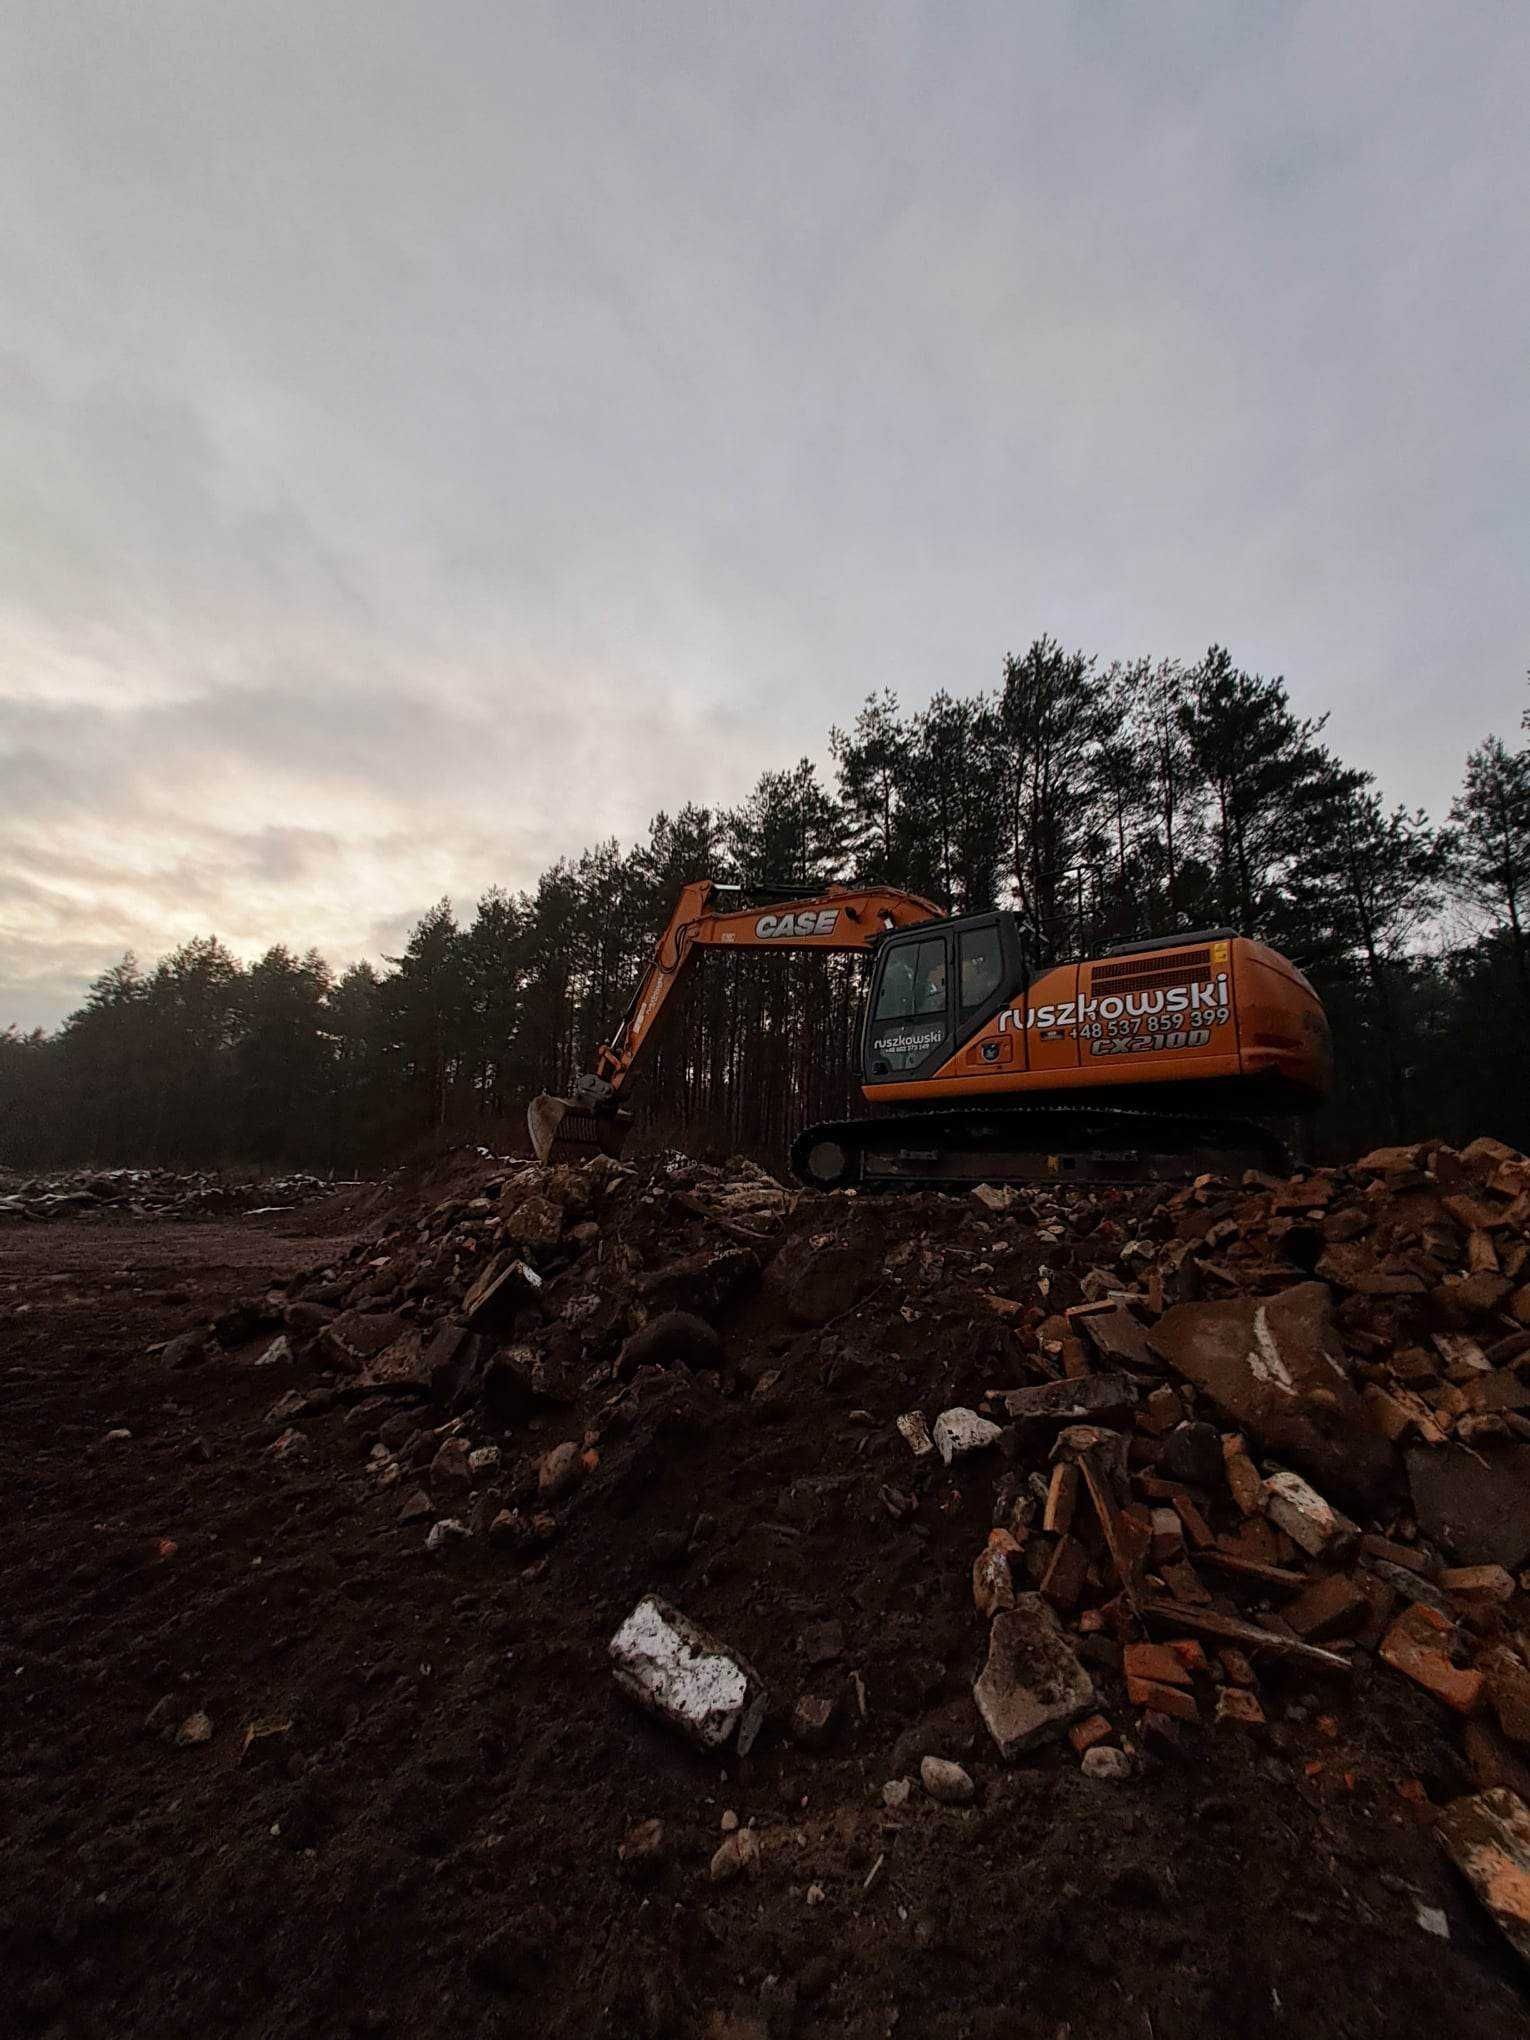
(914, 981)
(981, 967)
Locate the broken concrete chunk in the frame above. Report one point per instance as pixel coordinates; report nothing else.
(960, 1431)
(1299, 1510)
(1487, 1837)
(1067, 1402)
(358, 1336)
(400, 1364)
(1274, 1365)
(1476, 1503)
(915, 1433)
(1033, 1684)
(674, 1669)
(504, 1287)
(1116, 1335)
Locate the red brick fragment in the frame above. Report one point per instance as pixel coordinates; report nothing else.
(1235, 1704)
(1328, 1607)
(1085, 1734)
(1417, 1645)
(1161, 1699)
(1154, 1661)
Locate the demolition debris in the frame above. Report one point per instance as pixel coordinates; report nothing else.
(1229, 1455)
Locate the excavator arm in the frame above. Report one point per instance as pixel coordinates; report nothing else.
(708, 916)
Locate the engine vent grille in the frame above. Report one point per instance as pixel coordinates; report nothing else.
(1149, 973)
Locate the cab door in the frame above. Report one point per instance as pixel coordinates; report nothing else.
(909, 1023)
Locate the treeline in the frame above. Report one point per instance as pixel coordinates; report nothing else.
(1104, 802)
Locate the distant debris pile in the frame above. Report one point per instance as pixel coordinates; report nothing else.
(149, 1193)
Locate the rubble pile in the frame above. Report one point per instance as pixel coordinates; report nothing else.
(1151, 1467)
(149, 1193)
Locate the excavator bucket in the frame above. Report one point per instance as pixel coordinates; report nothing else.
(563, 1130)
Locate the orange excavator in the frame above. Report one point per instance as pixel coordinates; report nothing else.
(980, 1064)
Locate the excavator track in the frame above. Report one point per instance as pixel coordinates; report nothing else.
(1043, 1144)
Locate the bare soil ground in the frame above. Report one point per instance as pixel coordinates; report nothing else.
(431, 1846)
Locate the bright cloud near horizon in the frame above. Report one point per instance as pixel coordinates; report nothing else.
(438, 436)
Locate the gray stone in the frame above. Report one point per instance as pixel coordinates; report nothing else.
(189, 1350)
(946, 1781)
(1033, 1684)
(559, 1472)
(449, 1468)
(1104, 1762)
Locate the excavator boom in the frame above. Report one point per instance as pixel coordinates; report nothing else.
(708, 916)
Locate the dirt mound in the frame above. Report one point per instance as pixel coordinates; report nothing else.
(1185, 1526)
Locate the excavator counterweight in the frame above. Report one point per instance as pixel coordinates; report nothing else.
(980, 1064)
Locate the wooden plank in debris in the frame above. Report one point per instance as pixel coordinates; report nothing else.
(1126, 1552)
(1252, 1569)
(1246, 1635)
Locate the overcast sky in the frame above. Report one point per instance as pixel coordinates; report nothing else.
(435, 435)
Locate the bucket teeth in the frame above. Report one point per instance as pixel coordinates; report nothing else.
(563, 1131)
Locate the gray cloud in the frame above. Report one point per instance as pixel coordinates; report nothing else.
(436, 442)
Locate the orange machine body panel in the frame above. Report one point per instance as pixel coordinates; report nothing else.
(1226, 1008)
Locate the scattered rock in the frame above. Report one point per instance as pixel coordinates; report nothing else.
(559, 1472)
(946, 1781)
(1033, 1684)
(738, 1855)
(1101, 1761)
(676, 1338)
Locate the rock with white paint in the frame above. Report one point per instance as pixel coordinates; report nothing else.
(277, 1354)
(959, 1432)
(1315, 1524)
(1274, 1367)
(450, 1530)
(674, 1669)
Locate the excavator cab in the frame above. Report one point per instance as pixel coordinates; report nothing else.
(934, 987)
